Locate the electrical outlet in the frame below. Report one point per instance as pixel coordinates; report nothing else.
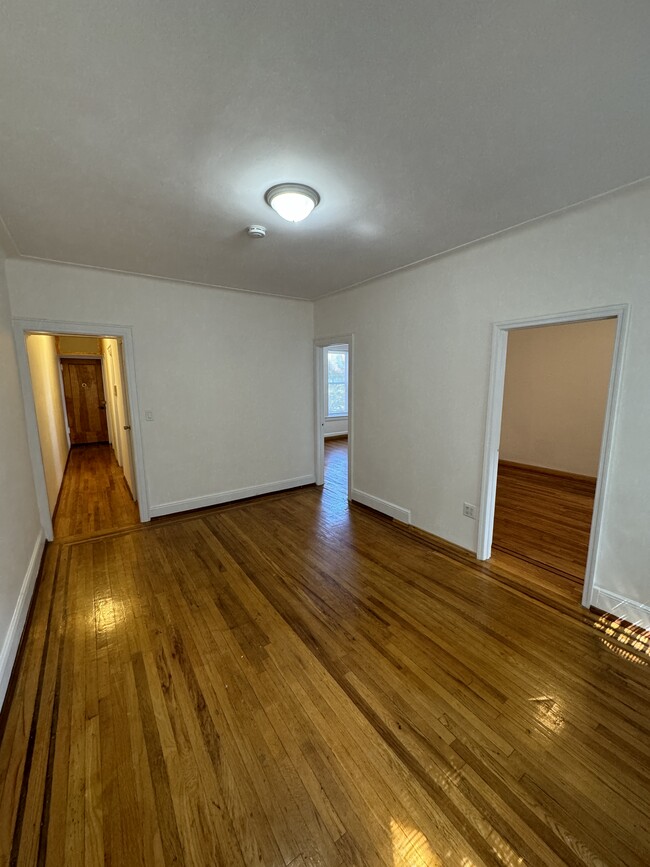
(469, 510)
(148, 414)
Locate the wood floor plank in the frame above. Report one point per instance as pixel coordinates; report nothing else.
(297, 681)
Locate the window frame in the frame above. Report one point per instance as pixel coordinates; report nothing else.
(346, 351)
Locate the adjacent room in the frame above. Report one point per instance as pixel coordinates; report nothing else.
(335, 422)
(557, 383)
(325, 434)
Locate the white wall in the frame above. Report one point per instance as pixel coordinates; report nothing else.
(227, 375)
(422, 358)
(335, 427)
(50, 411)
(21, 540)
(555, 396)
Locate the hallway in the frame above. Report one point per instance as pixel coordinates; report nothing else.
(94, 496)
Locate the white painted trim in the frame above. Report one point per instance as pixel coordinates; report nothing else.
(228, 496)
(319, 407)
(132, 483)
(319, 415)
(17, 624)
(620, 606)
(609, 426)
(383, 506)
(493, 426)
(50, 326)
(492, 440)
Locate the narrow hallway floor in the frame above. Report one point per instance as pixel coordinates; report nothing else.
(94, 496)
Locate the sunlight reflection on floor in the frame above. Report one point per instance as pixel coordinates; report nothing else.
(548, 712)
(335, 492)
(411, 848)
(624, 639)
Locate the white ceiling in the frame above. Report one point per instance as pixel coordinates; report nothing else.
(142, 136)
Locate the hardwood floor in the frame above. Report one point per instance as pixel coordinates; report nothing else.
(94, 496)
(336, 467)
(544, 518)
(290, 681)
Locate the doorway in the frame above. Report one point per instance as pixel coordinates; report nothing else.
(79, 393)
(535, 503)
(333, 373)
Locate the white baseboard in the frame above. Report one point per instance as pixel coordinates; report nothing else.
(386, 508)
(621, 606)
(12, 638)
(228, 496)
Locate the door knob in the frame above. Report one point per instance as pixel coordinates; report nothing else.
(127, 427)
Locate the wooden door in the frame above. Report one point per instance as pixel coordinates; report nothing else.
(84, 400)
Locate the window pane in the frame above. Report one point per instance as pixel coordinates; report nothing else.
(337, 382)
(337, 399)
(337, 364)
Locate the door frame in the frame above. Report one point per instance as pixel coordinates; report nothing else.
(23, 327)
(128, 419)
(319, 406)
(500, 331)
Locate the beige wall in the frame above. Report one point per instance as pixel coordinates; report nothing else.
(555, 397)
(50, 411)
(112, 420)
(422, 361)
(20, 536)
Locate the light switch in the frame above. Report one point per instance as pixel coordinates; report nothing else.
(148, 414)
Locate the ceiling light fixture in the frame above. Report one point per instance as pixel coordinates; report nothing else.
(293, 202)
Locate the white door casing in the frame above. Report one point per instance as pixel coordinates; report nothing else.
(500, 332)
(23, 327)
(319, 407)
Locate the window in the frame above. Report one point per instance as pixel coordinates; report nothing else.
(337, 382)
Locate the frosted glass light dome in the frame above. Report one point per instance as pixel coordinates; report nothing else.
(293, 202)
